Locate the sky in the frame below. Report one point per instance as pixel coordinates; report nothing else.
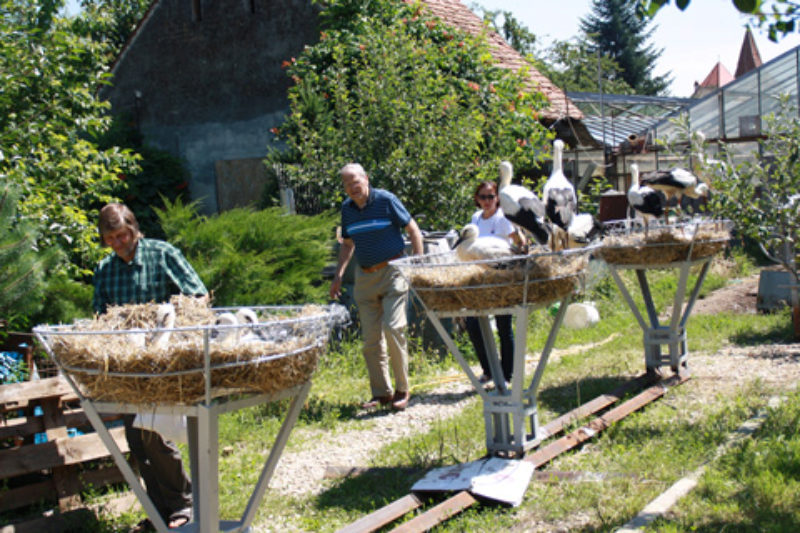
(694, 40)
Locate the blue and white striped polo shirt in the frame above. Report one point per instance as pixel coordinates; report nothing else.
(376, 229)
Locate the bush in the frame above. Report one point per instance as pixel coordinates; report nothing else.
(64, 301)
(422, 106)
(248, 257)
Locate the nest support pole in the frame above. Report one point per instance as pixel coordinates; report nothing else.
(203, 438)
(510, 410)
(664, 344)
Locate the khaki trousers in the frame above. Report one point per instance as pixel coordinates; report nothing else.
(381, 298)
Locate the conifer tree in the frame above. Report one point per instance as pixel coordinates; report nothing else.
(22, 268)
(618, 33)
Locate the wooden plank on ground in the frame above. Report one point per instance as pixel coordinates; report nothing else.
(581, 435)
(450, 507)
(384, 515)
(27, 495)
(62, 452)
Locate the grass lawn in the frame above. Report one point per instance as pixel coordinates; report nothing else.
(753, 486)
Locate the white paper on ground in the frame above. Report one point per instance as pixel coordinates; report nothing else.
(503, 480)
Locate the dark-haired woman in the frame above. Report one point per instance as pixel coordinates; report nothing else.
(492, 223)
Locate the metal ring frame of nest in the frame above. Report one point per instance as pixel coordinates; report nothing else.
(279, 351)
(444, 283)
(627, 242)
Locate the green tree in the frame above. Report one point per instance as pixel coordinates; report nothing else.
(22, 266)
(512, 30)
(421, 106)
(618, 33)
(576, 66)
(779, 17)
(50, 119)
(110, 22)
(762, 193)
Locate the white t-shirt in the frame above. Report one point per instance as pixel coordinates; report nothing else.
(496, 225)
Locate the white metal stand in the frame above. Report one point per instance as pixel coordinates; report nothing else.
(657, 335)
(510, 413)
(203, 414)
(203, 437)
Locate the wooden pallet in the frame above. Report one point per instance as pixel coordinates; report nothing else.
(56, 471)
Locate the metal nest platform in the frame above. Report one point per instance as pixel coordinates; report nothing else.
(191, 374)
(682, 246)
(445, 284)
(277, 349)
(513, 286)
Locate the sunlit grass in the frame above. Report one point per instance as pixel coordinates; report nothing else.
(752, 487)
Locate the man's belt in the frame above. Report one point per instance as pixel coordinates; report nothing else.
(382, 264)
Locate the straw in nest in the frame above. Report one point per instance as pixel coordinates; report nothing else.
(538, 280)
(663, 246)
(262, 365)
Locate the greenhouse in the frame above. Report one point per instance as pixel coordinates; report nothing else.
(628, 128)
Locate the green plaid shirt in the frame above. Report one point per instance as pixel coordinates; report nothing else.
(157, 271)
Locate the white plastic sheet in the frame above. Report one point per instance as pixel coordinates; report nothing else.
(503, 480)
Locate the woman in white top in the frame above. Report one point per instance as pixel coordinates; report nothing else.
(492, 223)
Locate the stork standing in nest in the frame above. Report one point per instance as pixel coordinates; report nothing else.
(643, 199)
(560, 200)
(675, 183)
(522, 207)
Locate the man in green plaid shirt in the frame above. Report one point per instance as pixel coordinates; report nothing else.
(139, 271)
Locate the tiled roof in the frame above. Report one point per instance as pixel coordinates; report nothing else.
(718, 77)
(456, 14)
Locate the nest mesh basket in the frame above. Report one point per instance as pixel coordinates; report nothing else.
(444, 283)
(122, 356)
(628, 242)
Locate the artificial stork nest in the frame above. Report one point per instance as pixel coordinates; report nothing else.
(125, 364)
(663, 245)
(444, 284)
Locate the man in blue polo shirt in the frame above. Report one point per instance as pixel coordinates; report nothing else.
(372, 223)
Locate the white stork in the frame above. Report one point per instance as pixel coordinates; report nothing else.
(228, 334)
(675, 183)
(643, 199)
(471, 247)
(560, 200)
(521, 206)
(245, 315)
(583, 230)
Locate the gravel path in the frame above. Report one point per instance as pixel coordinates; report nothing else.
(302, 472)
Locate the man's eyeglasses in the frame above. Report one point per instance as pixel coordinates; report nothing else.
(486, 196)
